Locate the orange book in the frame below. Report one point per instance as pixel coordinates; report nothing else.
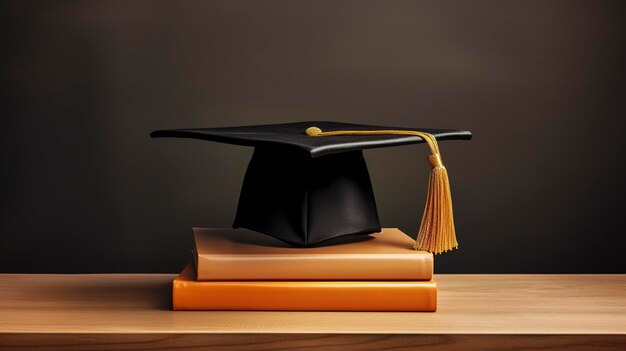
(240, 254)
(189, 294)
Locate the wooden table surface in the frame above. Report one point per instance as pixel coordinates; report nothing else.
(482, 312)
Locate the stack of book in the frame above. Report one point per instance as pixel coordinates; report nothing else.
(238, 269)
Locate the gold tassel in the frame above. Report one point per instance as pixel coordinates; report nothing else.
(436, 233)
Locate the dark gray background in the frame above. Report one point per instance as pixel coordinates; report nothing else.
(539, 83)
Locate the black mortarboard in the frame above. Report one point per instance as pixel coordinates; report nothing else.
(306, 185)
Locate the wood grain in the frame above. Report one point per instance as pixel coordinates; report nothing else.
(321, 342)
(486, 311)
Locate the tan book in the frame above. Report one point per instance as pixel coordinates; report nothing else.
(240, 254)
(189, 294)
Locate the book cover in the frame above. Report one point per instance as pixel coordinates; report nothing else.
(189, 294)
(240, 254)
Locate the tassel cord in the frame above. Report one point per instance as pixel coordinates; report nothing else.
(428, 138)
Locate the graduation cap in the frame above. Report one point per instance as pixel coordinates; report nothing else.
(307, 182)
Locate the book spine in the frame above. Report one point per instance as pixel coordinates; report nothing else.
(305, 296)
(303, 267)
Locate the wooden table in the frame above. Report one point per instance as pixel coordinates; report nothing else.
(479, 312)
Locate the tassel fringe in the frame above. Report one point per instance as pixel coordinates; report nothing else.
(437, 233)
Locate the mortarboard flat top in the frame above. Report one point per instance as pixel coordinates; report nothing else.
(292, 136)
(305, 190)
